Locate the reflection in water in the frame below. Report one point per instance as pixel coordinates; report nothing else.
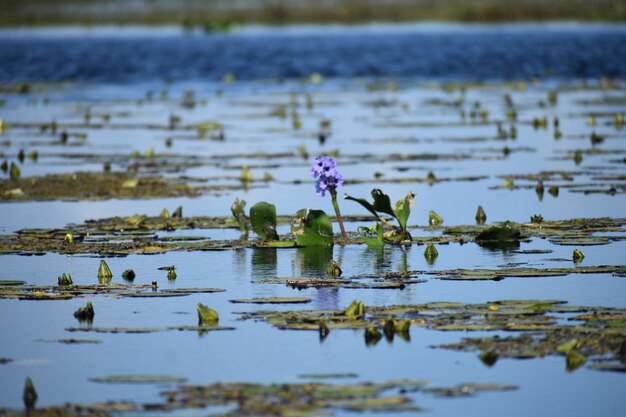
(403, 265)
(264, 263)
(240, 261)
(328, 299)
(312, 261)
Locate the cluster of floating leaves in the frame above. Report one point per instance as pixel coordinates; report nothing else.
(250, 399)
(547, 327)
(144, 234)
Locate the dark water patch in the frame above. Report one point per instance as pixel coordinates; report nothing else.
(448, 53)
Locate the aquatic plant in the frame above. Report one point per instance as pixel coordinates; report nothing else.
(30, 394)
(312, 228)
(328, 179)
(263, 220)
(333, 269)
(104, 273)
(129, 274)
(65, 280)
(86, 313)
(382, 204)
(207, 315)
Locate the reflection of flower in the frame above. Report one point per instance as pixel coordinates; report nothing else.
(324, 170)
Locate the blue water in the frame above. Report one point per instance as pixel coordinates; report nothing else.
(427, 51)
(111, 68)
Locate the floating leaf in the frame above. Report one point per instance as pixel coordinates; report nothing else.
(263, 220)
(312, 228)
(500, 237)
(434, 219)
(207, 315)
(130, 183)
(138, 379)
(272, 300)
(171, 274)
(333, 269)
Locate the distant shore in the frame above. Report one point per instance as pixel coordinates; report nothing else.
(222, 16)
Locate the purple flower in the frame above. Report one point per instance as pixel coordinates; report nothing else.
(324, 170)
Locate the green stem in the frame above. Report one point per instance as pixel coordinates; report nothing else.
(333, 195)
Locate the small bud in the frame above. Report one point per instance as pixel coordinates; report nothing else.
(577, 255)
(68, 239)
(207, 315)
(430, 253)
(14, 171)
(29, 395)
(333, 269)
(489, 357)
(104, 272)
(434, 219)
(171, 274)
(481, 216)
(128, 275)
(178, 213)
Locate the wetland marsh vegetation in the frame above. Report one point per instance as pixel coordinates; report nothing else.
(313, 235)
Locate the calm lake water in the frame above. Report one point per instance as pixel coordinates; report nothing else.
(382, 88)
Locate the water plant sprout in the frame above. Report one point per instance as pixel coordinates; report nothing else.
(327, 178)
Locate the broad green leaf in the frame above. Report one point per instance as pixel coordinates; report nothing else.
(403, 210)
(382, 202)
(368, 206)
(263, 220)
(373, 236)
(312, 228)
